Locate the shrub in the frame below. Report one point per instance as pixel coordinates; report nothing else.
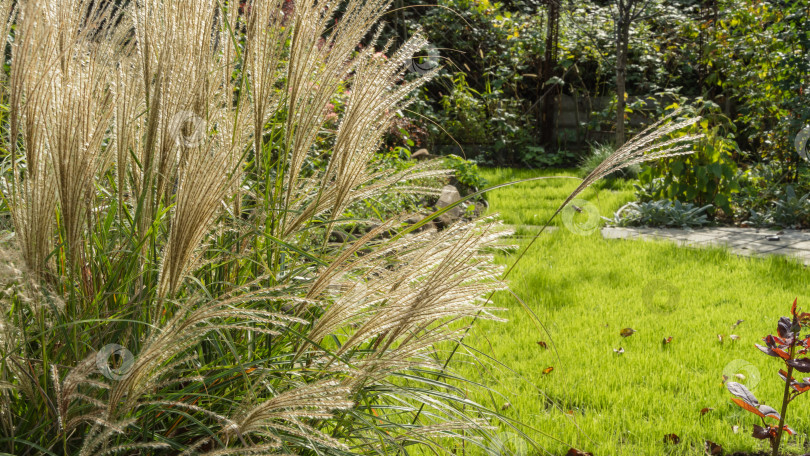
(538, 156)
(486, 85)
(495, 127)
(648, 191)
(466, 174)
(464, 115)
(775, 205)
(790, 209)
(661, 213)
(709, 176)
(773, 101)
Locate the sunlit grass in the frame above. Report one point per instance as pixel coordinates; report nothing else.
(532, 203)
(585, 289)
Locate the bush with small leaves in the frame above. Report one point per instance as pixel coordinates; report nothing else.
(661, 213)
(467, 175)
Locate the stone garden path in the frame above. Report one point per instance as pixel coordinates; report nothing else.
(741, 241)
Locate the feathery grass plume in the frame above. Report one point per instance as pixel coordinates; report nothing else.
(19, 293)
(98, 438)
(147, 62)
(316, 67)
(265, 38)
(653, 143)
(79, 108)
(456, 272)
(67, 390)
(210, 154)
(193, 320)
(10, 280)
(30, 192)
(8, 15)
(207, 172)
(374, 101)
(378, 91)
(179, 55)
(312, 401)
(128, 127)
(313, 201)
(394, 302)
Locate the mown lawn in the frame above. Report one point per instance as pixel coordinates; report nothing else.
(585, 290)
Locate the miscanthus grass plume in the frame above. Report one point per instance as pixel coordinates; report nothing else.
(172, 283)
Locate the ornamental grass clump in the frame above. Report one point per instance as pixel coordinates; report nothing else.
(172, 284)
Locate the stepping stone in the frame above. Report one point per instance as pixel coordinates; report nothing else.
(751, 242)
(619, 233)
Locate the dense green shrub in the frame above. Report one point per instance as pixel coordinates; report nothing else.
(467, 176)
(707, 177)
(464, 116)
(748, 56)
(767, 199)
(758, 57)
(787, 209)
(491, 52)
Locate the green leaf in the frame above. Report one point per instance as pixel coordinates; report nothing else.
(721, 201)
(702, 177)
(716, 169)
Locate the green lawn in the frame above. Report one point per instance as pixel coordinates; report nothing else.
(585, 289)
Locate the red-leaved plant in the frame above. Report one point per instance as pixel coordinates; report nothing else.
(787, 345)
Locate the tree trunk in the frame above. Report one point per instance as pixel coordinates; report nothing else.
(548, 111)
(622, 41)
